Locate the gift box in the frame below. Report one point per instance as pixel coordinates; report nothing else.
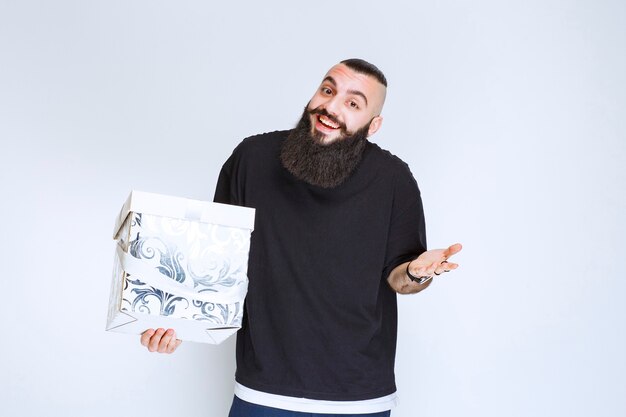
(180, 264)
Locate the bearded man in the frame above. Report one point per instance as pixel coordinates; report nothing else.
(339, 231)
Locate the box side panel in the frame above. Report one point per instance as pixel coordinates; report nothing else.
(118, 278)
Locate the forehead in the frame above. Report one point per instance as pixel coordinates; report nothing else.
(348, 79)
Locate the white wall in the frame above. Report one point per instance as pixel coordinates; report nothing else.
(511, 115)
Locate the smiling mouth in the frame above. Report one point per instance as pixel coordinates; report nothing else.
(326, 122)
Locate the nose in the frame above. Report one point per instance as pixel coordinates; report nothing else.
(332, 106)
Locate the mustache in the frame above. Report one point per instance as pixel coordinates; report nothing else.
(324, 112)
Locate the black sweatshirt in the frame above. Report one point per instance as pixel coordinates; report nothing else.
(320, 320)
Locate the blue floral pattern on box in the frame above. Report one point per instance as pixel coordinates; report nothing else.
(203, 257)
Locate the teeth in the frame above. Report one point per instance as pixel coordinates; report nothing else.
(326, 122)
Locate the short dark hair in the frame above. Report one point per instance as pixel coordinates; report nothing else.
(364, 67)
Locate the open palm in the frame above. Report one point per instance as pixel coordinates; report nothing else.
(435, 261)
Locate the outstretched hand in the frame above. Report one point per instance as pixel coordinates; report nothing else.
(429, 263)
(435, 261)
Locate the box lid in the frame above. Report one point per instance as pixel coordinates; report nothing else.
(185, 208)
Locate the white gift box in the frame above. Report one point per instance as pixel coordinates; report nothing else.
(180, 264)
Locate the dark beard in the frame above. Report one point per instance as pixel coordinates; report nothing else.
(325, 166)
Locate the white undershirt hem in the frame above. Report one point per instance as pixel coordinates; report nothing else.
(306, 405)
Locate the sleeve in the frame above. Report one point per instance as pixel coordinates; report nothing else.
(223, 188)
(228, 189)
(407, 230)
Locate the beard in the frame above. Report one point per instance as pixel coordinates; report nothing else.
(324, 165)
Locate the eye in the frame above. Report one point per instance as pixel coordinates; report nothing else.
(326, 91)
(353, 104)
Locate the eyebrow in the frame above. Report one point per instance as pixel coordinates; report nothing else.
(353, 92)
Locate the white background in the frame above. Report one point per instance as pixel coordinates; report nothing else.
(511, 114)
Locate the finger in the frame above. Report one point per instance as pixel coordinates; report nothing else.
(153, 345)
(450, 266)
(452, 250)
(145, 337)
(446, 267)
(168, 336)
(173, 345)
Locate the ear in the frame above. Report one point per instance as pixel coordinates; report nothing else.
(375, 125)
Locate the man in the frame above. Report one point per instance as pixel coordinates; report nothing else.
(339, 231)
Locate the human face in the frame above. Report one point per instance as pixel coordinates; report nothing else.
(345, 102)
